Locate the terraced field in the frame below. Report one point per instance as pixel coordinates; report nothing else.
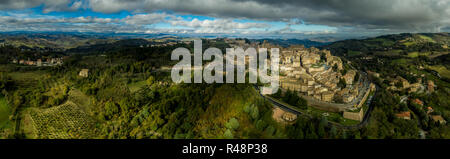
(66, 121)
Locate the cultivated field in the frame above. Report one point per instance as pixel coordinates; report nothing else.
(66, 121)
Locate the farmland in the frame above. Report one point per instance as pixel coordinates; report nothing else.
(62, 122)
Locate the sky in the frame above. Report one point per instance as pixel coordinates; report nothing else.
(281, 18)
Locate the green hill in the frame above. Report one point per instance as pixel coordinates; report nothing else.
(406, 44)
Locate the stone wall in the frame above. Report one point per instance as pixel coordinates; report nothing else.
(363, 100)
(354, 115)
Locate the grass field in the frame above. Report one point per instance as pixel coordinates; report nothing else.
(136, 85)
(27, 79)
(417, 54)
(332, 116)
(442, 70)
(388, 53)
(383, 42)
(401, 61)
(353, 53)
(5, 111)
(409, 43)
(426, 38)
(34, 75)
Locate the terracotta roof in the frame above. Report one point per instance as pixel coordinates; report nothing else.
(418, 101)
(403, 114)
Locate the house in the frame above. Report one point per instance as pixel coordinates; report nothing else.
(418, 101)
(430, 86)
(268, 90)
(429, 110)
(327, 96)
(84, 73)
(289, 116)
(39, 62)
(438, 118)
(347, 98)
(404, 82)
(29, 62)
(404, 115)
(349, 76)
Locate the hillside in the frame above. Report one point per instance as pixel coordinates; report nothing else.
(394, 45)
(413, 72)
(52, 41)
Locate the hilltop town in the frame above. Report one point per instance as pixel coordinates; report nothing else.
(40, 62)
(318, 74)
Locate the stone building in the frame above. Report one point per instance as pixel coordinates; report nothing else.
(327, 96)
(289, 116)
(349, 76)
(430, 86)
(84, 73)
(39, 62)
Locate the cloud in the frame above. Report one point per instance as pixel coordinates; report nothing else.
(394, 15)
(138, 23)
(217, 25)
(54, 23)
(48, 5)
(146, 19)
(231, 16)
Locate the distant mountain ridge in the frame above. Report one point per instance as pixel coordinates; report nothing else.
(288, 42)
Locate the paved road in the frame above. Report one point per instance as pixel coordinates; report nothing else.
(330, 123)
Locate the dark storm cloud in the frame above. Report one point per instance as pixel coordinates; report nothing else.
(395, 14)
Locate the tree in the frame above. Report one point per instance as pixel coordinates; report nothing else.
(302, 103)
(399, 84)
(335, 68)
(356, 78)
(232, 124)
(344, 71)
(254, 113)
(150, 80)
(5, 81)
(111, 109)
(333, 132)
(228, 134)
(342, 84)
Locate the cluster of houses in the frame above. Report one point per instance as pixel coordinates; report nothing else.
(310, 71)
(40, 62)
(429, 110)
(399, 84)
